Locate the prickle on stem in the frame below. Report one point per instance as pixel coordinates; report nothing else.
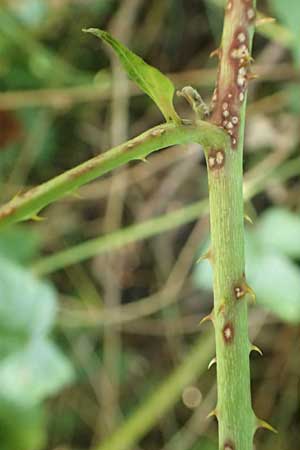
(264, 21)
(216, 52)
(212, 362)
(254, 348)
(213, 413)
(242, 289)
(37, 218)
(207, 318)
(248, 219)
(252, 76)
(206, 255)
(263, 424)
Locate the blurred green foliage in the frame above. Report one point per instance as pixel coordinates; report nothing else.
(68, 380)
(289, 16)
(31, 366)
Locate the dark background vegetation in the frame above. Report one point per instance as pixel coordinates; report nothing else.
(80, 351)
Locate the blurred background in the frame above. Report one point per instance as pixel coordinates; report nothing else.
(100, 345)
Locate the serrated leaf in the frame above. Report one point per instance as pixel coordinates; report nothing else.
(148, 78)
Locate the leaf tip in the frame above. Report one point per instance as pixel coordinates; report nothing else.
(95, 31)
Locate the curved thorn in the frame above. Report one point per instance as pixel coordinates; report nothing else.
(212, 362)
(254, 348)
(252, 76)
(16, 195)
(264, 21)
(206, 255)
(77, 195)
(37, 218)
(214, 53)
(263, 424)
(213, 413)
(240, 290)
(248, 219)
(206, 318)
(251, 292)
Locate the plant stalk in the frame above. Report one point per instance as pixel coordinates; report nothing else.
(237, 422)
(27, 205)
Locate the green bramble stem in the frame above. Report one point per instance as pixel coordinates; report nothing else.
(221, 137)
(27, 206)
(237, 422)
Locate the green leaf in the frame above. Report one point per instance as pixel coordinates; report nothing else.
(19, 243)
(34, 373)
(21, 428)
(148, 78)
(276, 281)
(27, 307)
(279, 229)
(289, 14)
(31, 367)
(32, 12)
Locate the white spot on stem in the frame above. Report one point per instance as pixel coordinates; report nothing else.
(241, 37)
(219, 158)
(228, 333)
(250, 13)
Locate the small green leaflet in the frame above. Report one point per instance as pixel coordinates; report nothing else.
(148, 78)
